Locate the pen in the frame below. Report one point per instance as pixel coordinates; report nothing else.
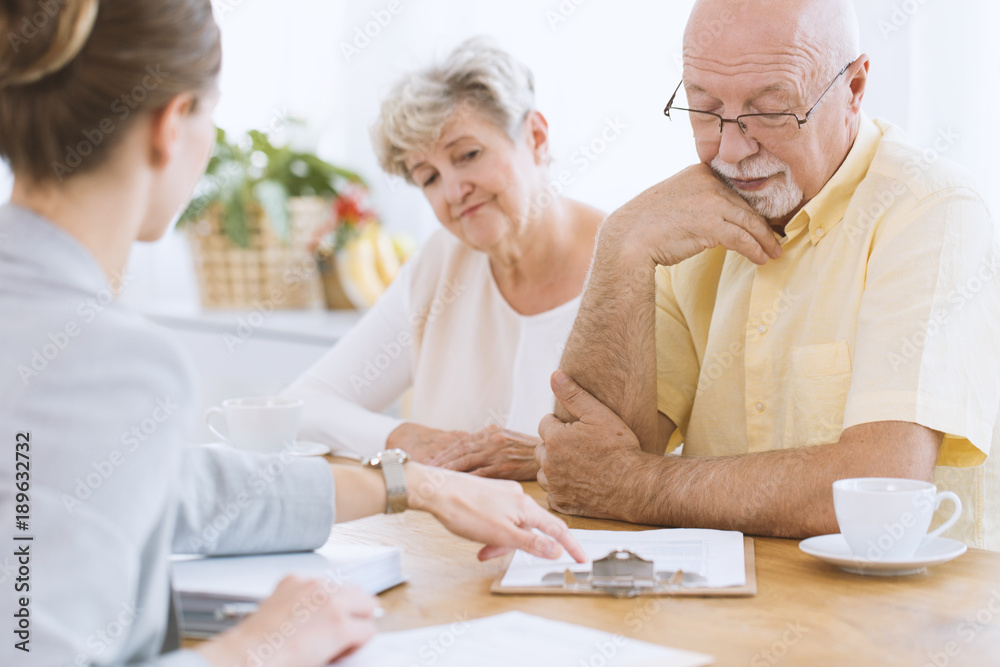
(237, 611)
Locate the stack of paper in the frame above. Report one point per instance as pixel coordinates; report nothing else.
(212, 591)
(514, 638)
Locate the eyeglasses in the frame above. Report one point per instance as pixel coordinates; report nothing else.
(761, 126)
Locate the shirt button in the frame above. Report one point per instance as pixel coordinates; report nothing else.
(819, 233)
(759, 406)
(762, 329)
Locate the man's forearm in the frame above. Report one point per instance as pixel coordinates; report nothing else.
(782, 493)
(611, 351)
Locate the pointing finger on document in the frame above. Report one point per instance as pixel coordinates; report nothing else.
(496, 512)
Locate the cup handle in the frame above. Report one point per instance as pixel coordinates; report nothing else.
(208, 422)
(952, 519)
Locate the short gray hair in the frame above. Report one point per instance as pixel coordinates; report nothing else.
(476, 76)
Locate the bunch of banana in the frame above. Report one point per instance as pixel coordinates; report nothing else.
(368, 263)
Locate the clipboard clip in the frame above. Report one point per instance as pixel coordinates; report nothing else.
(623, 574)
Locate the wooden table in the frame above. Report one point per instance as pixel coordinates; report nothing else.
(805, 612)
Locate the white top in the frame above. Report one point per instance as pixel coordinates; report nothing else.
(106, 397)
(443, 329)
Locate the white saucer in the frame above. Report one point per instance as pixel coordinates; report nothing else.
(833, 549)
(306, 448)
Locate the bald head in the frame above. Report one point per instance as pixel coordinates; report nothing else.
(820, 33)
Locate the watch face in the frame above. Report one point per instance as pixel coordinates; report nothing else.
(389, 455)
(397, 455)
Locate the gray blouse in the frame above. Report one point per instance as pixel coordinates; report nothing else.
(94, 402)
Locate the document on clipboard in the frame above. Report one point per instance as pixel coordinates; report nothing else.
(675, 561)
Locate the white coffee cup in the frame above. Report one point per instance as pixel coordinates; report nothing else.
(886, 519)
(260, 424)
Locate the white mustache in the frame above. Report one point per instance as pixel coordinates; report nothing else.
(750, 169)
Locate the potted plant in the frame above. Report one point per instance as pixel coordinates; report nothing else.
(251, 220)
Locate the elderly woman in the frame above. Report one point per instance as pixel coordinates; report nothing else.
(477, 321)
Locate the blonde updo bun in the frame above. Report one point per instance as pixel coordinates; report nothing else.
(61, 30)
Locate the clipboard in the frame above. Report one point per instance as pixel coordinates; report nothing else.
(624, 574)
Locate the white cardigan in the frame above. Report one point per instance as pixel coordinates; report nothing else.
(443, 329)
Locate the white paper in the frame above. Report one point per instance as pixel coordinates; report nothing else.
(514, 639)
(716, 555)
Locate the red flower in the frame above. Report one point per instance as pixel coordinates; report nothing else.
(350, 209)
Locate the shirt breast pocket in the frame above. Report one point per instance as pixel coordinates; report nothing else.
(819, 379)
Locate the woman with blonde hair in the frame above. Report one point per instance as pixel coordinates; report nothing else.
(105, 120)
(477, 321)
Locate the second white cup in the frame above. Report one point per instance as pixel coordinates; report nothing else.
(260, 424)
(886, 519)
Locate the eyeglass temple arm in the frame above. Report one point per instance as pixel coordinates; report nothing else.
(670, 103)
(835, 79)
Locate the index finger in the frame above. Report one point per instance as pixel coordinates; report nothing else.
(548, 424)
(743, 215)
(746, 218)
(556, 528)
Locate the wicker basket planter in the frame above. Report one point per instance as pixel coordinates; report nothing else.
(269, 272)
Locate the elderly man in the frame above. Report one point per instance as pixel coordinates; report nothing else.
(816, 300)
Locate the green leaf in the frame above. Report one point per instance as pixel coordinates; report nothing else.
(232, 180)
(273, 199)
(234, 218)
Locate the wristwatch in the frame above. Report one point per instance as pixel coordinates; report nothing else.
(391, 461)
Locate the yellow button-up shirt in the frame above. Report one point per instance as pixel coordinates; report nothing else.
(884, 306)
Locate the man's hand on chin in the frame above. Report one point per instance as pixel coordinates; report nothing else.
(589, 466)
(689, 213)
